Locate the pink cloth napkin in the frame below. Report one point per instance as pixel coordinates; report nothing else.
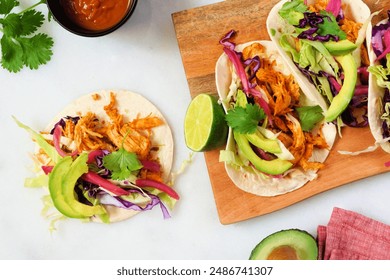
(352, 236)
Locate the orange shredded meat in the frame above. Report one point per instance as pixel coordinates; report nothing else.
(318, 6)
(91, 133)
(351, 28)
(283, 95)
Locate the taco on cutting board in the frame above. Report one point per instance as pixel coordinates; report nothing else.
(277, 137)
(324, 43)
(379, 83)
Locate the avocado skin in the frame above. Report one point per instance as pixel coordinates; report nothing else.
(303, 242)
(341, 47)
(342, 99)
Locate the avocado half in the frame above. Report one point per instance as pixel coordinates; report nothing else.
(290, 244)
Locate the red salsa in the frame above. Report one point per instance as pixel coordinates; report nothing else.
(96, 14)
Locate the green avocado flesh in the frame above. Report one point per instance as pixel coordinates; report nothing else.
(291, 244)
(268, 145)
(272, 167)
(342, 47)
(62, 181)
(342, 99)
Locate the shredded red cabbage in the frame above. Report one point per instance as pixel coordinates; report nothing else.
(363, 74)
(386, 44)
(312, 20)
(378, 32)
(123, 203)
(348, 116)
(238, 63)
(93, 156)
(62, 123)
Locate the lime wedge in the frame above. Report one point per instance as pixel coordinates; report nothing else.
(205, 127)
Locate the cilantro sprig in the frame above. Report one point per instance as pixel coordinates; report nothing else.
(309, 116)
(245, 120)
(122, 163)
(21, 45)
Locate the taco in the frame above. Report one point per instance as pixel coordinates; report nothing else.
(379, 83)
(106, 157)
(323, 42)
(277, 138)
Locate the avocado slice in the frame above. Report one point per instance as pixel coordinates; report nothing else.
(56, 177)
(271, 167)
(342, 99)
(290, 244)
(78, 168)
(241, 100)
(268, 145)
(62, 181)
(341, 47)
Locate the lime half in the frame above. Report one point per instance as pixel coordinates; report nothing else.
(205, 127)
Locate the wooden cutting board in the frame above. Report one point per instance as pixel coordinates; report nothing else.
(198, 32)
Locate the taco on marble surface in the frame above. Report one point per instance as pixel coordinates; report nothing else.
(106, 157)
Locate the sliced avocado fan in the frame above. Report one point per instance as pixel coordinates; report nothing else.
(290, 244)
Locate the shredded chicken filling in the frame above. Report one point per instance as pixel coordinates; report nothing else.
(283, 95)
(91, 133)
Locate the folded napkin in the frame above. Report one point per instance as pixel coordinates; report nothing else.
(352, 236)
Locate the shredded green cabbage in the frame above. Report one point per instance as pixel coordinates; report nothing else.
(37, 182)
(382, 73)
(38, 138)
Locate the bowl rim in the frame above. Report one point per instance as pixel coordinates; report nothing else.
(87, 32)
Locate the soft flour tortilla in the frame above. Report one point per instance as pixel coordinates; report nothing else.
(131, 106)
(247, 178)
(276, 26)
(375, 97)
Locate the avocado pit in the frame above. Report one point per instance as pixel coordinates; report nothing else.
(284, 252)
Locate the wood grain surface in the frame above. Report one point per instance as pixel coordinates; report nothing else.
(198, 32)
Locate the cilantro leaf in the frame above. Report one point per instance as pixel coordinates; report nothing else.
(309, 116)
(245, 120)
(31, 20)
(12, 54)
(12, 25)
(36, 50)
(121, 163)
(330, 26)
(6, 6)
(17, 49)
